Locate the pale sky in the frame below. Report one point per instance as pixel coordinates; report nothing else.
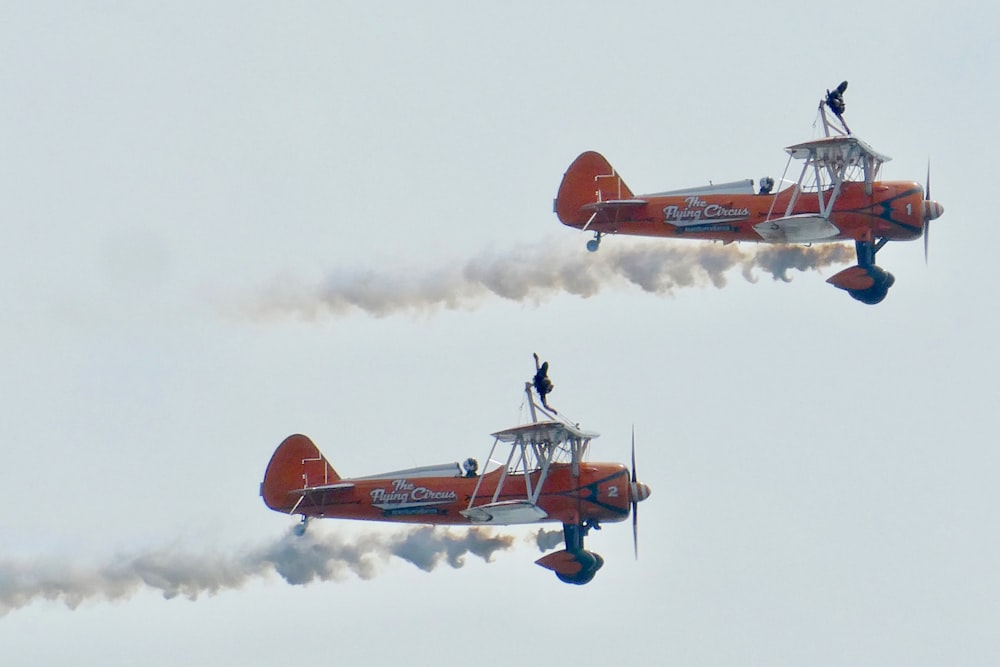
(823, 472)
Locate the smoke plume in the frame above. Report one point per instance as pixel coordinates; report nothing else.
(299, 560)
(546, 540)
(536, 273)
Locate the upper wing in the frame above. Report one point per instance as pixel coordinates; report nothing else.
(847, 149)
(542, 432)
(837, 159)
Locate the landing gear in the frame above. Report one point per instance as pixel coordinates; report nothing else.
(882, 280)
(865, 250)
(595, 243)
(300, 527)
(574, 564)
(865, 282)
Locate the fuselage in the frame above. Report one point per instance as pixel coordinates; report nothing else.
(601, 492)
(894, 211)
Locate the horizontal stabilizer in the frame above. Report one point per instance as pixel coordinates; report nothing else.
(340, 486)
(614, 204)
(320, 495)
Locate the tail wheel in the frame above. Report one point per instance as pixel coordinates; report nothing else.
(594, 244)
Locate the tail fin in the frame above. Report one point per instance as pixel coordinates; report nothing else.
(296, 464)
(590, 179)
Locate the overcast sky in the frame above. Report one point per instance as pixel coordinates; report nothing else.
(185, 188)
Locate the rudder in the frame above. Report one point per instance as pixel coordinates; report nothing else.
(590, 179)
(296, 464)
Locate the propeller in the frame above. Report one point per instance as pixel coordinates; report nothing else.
(932, 211)
(639, 492)
(927, 223)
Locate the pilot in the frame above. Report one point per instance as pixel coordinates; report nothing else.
(541, 381)
(471, 467)
(766, 185)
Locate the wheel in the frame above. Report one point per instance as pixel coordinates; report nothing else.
(590, 563)
(578, 579)
(593, 245)
(877, 292)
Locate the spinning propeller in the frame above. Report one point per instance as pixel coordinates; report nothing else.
(639, 492)
(932, 211)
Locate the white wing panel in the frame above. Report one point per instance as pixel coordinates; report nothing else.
(797, 229)
(506, 513)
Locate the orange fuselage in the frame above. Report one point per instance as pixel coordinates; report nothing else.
(893, 211)
(601, 491)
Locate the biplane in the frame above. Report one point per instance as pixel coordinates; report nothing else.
(545, 476)
(838, 197)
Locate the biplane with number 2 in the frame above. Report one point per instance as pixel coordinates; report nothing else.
(837, 197)
(544, 477)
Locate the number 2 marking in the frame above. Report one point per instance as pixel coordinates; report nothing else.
(612, 492)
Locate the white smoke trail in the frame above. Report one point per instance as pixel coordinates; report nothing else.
(546, 540)
(299, 560)
(536, 273)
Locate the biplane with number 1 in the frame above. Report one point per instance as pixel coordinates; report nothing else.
(544, 477)
(837, 197)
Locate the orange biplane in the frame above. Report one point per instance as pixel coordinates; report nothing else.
(544, 477)
(837, 197)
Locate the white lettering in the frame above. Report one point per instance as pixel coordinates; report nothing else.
(674, 213)
(404, 492)
(717, 211)
(697, 210)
